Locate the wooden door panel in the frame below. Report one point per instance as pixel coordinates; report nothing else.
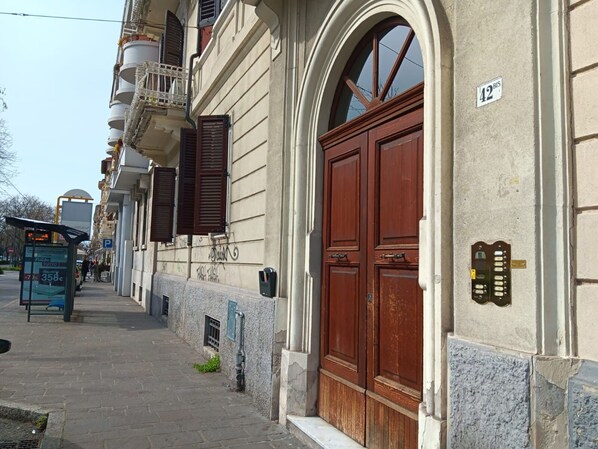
(399, 330)
(343, 320)
(342, 405)
(398, 210)
(395, 321)
(345, 208)
(388, 427)
(342, 342)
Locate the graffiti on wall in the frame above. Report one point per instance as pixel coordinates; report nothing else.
(218, 256)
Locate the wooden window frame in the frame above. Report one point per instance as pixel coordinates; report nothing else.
(372, 38)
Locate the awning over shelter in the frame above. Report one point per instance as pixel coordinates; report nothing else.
(71, 235)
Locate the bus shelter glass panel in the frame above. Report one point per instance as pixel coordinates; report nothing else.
(44, 274)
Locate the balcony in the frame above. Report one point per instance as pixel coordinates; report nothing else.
(135, 53)
(158, 109)
(125, 91)
(115, 135)
(116, 119)
(129, 166)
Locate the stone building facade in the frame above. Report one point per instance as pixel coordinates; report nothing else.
(420, 176)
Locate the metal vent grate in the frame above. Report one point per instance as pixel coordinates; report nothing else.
(165, 301)
(212, 338)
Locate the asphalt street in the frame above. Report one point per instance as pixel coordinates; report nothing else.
(9, 287)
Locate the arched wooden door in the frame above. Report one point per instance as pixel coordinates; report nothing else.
(370, 379)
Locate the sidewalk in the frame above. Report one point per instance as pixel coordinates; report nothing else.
(124, 381)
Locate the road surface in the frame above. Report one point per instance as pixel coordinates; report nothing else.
(9, 288)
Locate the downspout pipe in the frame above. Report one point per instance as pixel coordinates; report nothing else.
(194, 56)
(240, 358)
(188, 118)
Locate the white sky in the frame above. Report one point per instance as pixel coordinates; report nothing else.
(57, 75)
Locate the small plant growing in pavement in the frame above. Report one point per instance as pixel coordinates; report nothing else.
(41, 423)
(211, 366)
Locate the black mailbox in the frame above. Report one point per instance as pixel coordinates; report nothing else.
(268, 282)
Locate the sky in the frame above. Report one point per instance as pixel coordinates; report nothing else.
(57, 77)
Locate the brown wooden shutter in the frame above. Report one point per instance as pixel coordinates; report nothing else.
(187, 175)
(212, 176)
(171, 51)
(162, 204)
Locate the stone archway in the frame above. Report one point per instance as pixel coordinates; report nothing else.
(346, 22)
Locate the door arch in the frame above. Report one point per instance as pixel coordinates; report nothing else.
(346, 20)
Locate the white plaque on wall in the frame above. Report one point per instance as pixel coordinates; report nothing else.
(489, 92)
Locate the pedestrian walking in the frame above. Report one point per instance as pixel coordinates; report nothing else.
(85, 268)
(96, 271)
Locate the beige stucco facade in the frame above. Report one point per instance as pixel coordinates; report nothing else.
(584, 76)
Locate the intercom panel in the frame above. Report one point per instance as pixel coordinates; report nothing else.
(491, 273)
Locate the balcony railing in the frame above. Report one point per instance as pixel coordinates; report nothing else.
(158, 88)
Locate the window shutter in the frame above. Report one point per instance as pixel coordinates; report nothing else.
(212, 176)
(171, 51)
(187, 175)
(162, 204)
(208, 12)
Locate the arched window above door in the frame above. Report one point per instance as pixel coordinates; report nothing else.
(387, 62)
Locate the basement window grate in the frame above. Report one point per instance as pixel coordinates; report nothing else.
(212, 337)
(165, 301)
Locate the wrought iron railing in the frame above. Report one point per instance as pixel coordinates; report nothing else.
(157, 87)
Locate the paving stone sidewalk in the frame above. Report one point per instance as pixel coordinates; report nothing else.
(123, 380)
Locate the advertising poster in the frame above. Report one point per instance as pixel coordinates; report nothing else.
(44, 274)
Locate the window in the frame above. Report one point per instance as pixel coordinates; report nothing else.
(171, 41)
(165, 305)
(137, 224)
(162, 204)
(212, 333)
(209, 10)
(144, 228)
(203, 177)
(387, 63)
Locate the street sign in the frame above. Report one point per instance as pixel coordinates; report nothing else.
(107, 243)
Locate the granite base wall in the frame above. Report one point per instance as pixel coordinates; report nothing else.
(489, 398)
(583, 406)
(189, 303)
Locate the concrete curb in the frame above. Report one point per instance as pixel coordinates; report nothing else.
(52, 438)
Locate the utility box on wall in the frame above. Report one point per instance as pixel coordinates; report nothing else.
(267, 279)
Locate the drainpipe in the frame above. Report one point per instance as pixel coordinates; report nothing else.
(194, 56)
(240, 366)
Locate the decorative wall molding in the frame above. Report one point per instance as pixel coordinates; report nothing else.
(266, 11)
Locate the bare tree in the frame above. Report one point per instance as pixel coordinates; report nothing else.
(7, 157)
(27, 206)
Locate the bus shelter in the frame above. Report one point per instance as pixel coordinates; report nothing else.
(48, 269)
